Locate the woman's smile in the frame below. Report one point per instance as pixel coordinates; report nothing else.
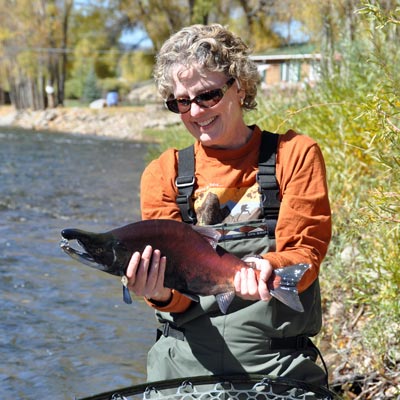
(207, 122)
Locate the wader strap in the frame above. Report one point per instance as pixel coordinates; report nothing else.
(298, 343)
(167, 329)
(295, 342)
(185, 184)
(272, 344)
(267, 183)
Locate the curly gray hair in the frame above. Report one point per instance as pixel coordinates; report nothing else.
(213, 48)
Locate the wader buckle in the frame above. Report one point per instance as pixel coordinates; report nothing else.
(169, 330)
(290, 343)
(302, 342)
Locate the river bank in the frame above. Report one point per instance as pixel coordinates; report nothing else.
(128, 123)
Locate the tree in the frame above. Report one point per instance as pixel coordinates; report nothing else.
(68, 4)
(35, 49)
(258, 15)
(159, 18)
(91, 90)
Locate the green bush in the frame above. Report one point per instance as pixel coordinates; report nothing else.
(73, 88)
(354, 116)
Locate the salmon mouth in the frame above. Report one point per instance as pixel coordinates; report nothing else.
(80, 255)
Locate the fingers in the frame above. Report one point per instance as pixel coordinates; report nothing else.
(145, 274)
(155, 288)
(161, 273)
(137, 269)
(150, 272)
(246, 283)
(263, 290)
(132, 269)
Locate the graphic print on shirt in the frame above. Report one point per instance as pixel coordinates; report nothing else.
(215, 205)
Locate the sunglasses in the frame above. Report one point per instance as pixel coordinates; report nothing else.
(205, 100)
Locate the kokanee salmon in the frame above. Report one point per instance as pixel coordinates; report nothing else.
(196, 265)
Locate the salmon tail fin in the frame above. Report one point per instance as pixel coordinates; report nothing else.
(289, 297)
(224, 300)
(286, 291)
(210, 234)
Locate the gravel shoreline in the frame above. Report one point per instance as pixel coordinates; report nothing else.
(126, 123)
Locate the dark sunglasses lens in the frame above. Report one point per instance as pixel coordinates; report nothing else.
(184, 105)
(209, 99)
(172, 105)
(179, 106)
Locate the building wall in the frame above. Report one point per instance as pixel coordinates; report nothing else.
(273, 74)
(293, 71)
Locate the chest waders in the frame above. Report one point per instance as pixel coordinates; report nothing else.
(254, 336)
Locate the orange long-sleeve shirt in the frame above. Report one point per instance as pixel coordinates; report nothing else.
(303, 228)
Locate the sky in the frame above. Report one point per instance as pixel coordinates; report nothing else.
(139, 35)
(134, 37)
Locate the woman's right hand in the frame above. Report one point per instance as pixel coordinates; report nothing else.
(145, 275)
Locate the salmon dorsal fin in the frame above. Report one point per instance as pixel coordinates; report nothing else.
(210, 234)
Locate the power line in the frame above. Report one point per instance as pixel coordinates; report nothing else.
(58, 50)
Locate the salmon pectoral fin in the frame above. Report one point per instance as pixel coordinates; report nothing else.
(126, 295)
(224, 300)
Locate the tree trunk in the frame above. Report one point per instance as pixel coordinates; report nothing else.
(64, 56)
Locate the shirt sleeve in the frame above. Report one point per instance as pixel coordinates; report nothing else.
(178, 303)
(157, 188)
(303, 228)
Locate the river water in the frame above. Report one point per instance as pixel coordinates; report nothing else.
(64, 329)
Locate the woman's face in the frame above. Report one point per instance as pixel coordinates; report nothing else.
(220, 126)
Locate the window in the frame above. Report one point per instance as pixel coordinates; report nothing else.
(315, 71)
(290, 71)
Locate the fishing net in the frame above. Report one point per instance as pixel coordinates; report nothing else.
(222, 388)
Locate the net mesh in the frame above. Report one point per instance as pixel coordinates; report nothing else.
(264, 389)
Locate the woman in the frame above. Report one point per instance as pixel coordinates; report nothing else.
(204, 73)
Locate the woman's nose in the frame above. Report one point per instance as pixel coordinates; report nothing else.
(195, 109)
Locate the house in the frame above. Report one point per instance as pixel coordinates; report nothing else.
(292, 66)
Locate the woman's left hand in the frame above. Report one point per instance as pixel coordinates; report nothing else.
(246, 284)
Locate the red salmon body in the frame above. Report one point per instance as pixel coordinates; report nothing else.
(192, 262)
(195, 264)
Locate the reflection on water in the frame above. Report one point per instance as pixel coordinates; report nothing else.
(64, 330)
